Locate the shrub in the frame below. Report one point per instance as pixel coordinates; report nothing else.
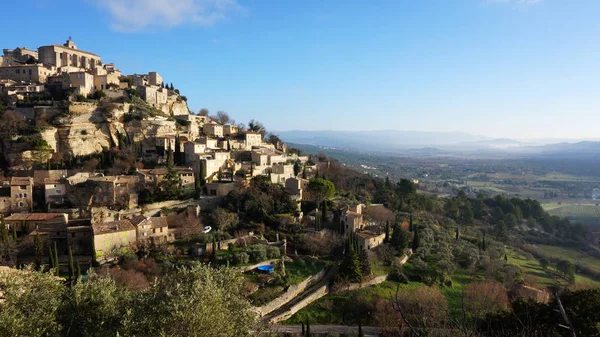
(257, 253)
(273, 252)
(396, 274)
(241, 258)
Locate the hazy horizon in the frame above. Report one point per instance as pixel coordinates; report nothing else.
(518, 69)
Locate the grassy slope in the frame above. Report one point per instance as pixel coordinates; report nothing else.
(570, 254)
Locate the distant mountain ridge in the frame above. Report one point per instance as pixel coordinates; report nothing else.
(413, 142)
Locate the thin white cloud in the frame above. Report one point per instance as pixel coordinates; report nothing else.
(139, 15)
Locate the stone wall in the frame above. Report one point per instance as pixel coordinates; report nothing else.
(290, 294)
(371, 282)
(315, 295)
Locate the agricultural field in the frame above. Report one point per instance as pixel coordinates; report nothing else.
(570, 254)
(536, 276)
(587, 214)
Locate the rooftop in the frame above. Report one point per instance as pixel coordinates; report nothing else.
(368, 234)
(34, 216)
(112, 227)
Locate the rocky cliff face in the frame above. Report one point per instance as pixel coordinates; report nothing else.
(90, 127)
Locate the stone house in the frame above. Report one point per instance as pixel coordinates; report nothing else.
(211, 143)
(219, 189)
(369, 239)
(252, 138)
(230, 130)
(82, 81)
(191, 149)
(155, 79)
(281, 172)
(213, 129)
(55, 190)
(115, 191)
(21, 192)
(80, 239)
(151, 231)
(112, 237)
(155, 176)
(165, 142)
(352, 219)
(153, 95)
(26, 223)
(36, 73)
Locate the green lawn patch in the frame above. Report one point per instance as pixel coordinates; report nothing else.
(298, 270)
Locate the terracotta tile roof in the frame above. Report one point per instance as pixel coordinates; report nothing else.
(52, 181)
(34, 216)
(79, 229)
(21, 180)
(136, 220)
(112, 227)
(368, 234)
(159, 222)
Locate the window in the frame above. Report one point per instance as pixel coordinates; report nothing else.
(22, 187)
(24, 195)
(72, 235)
(20, 204)
(145, 234)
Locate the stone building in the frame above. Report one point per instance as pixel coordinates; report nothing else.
(68, 55)
(26, 73)
(113, 237)
(155, 96)
(82, 81)
(155, 176)
(18, 56)
(151, 231)
(21, 193)
(252, 139)
(219, 189)
(213, 129)
(55, 191)
(114, 191)
(230, 130)
(369, 239)
(155, 79)
(28, 222)
(280, 173)
(352, 219)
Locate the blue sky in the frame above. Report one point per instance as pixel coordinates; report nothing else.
(500, 68)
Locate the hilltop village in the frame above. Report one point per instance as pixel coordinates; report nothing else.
(95, 160)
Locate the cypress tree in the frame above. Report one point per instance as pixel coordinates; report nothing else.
(365, 266)
(303, 331)
(505, 258)
(387, 232)
(410, 226)
(14, 232)
(3, 230)
(56, 261)
(51, 257)
(71, 267)
(457, 233)
(324, 211)
(38, 249)
(177, 150)
(351, 267)
(78, 276)
(307, 328)
(415, 242)
(304, 172)
(483, 245)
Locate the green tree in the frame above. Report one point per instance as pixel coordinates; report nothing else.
(351, 267)
(304, 171)
(501, 231)
(71, 267)
(38, 250)
(3, 231)
(365, 265)
(567, 269)
(170, 188)
(400, 238)
(410, 224)
(457, 233)
(416, 241)
(544, 263)
(320, 190)
(56, 260)
(296, 168)
(177, 159)
(387, 232)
